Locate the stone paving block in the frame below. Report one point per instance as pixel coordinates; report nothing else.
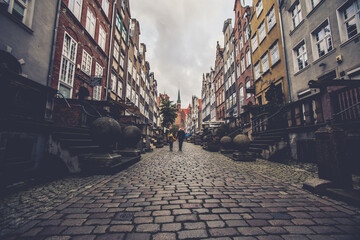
(121, 228)
(236, 223)
(32, 232)
(112, 236)
(72, 222)
(99, 221)
(250, 231)
(84, 237)
(58, 238)
(148, 228)
(194, 225)
(221, 232)
(101, 229)
(78, 230)
(139, 220)
(170, 227)
(209, 217)
(54, 230)
(192, 234)
(186, 218)
(298, 230)
(164, 236)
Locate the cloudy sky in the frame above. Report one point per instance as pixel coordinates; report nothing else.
(180, 37)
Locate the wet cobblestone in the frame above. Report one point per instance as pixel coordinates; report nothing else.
(180, 195)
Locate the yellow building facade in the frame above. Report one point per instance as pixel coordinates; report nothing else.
(267, 51)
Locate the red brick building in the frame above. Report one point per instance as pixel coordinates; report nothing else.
(219, 84)
(243, 55)
(82, 48)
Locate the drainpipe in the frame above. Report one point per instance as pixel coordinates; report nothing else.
(109, 52)
(280, 2)
(53, 47)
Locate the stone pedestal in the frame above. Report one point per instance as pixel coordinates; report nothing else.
(332, 157)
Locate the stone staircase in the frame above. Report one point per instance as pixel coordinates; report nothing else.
(75, 147)
(270, 144)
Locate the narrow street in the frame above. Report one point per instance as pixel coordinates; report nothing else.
(192, 194)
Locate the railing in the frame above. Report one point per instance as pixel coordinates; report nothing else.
(346, 104)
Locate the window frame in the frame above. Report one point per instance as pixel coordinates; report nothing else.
(265, 64)
(271, 17)
(259, 8)
(274, 46)
(296, 14)
(262, 32)
(325, 38)
(257, 73)
(102, 38)
(86, 63)
(344, 34)
(105, 7)
(297, 56)
(90, 23)
(254, 40)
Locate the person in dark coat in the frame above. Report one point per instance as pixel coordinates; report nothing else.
(180, 137)
(171, 140)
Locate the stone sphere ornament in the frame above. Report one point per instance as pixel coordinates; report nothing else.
(226, 142)
(241, 142)
(131, 136)
(105, 131)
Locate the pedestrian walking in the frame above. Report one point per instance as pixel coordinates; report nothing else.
(171, 140)
(180, 137)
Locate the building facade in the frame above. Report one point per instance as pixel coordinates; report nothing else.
(82, 49)
(116, 84)
(231, 106)
(34, 21)
(219, 84)
(244, 77)
(267, 51)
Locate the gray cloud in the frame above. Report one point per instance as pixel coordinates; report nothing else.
(181, 36)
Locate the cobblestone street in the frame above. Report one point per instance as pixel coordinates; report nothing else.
(192, 194)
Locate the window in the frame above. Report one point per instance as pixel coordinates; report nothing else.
(349, 19)
(90, 23)
(238, 70)
(265, 62)
(314, 3)
(75, 7)
(97, 89)
(242, 65)
(86, 63)
(241, 43)
(113, 82)
(67, 68)
(119, 89)
(248, 58)
(241, 99)
(274, 52)
(257, 70)
(102, 38)
(128, 91)
(296, 15)
(322, 38)
(124, 34)
(301, 56)
(247, 33)
(118, 22)
(248, 86)
(262, 32)
(259, 8)
(116, 51)
(105, 6)
(123, 4)
(254, 43)
(129, 66)
(122, 60)
(270, 18)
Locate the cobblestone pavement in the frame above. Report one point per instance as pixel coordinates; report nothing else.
(190, 195)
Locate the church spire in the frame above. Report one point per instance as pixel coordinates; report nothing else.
(179, 100)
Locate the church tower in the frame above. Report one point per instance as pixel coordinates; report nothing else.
(179, 101)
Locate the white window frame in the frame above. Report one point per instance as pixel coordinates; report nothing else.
(254, 43)
(68, 63)
(99, 72)
(241, 43)
(259, 8)
(90, 22)
(262, 32)
(265, 63)
(274, 55)
(75, 7)
(257, 74)
(324, 44)
(102, 38)
(86, 63)
(124, 34)
(296, 15)
(344, 34)
(242, 65)
(248, 86)
(271, 19)
(248, 58)
(122, 60)
(105, 6)
(300, 56)
(119, 88)
(113, 81)
(116, 53)
(241, 99)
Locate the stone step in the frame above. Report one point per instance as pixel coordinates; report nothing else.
(263, 141)
(71, 135)
(77, 150)
(259, 145)
(76, 142)
(255, 149)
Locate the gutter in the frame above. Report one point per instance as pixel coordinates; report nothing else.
(53, 47)
(109, 52)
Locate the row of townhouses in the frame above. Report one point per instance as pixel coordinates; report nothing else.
(64, 64)
(302, 55)
(86, 49)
